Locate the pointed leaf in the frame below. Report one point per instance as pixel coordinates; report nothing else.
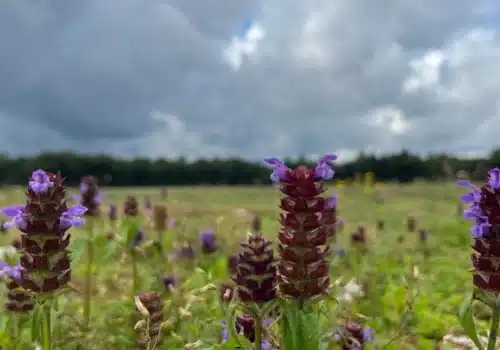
(467, 320)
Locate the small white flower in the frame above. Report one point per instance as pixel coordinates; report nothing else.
(351, 291)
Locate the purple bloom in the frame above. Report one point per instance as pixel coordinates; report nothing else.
(138, 238)
(16, 213)
(168, 282)
(368, 334)
(280, 169)
(13, 272)
(323, 169)
(208, 241)
(331, 202)
(71, 217)
(494, 180)
(186, 252)
(40, 182)
(481, 225)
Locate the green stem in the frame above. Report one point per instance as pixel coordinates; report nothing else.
(88, 277)
(46, 331)
(135, 275)
(258, 332)
(492, 337)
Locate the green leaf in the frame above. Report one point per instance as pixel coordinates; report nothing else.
(35, 323)
(467, 320)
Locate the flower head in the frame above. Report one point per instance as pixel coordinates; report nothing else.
(484, 210)
(353, 336)
(308, 223)
(113, 212)
(13, 272)
(40, 182)
(89, 195)
(43, 223)
(208, 241)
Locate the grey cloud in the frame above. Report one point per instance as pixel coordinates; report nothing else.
(89, 76)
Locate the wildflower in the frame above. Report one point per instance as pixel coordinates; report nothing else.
(43, 223)
(138, 238)
(411, 224)
(256, 270)
(18, 300)
(168, 282)
(353, 336)
(208, 242)
(163, 193)
(89, 195)
(351, 291)
(113, 212)
(149, 303)
(484, 210)
(423, 234)
(186, 252)
(160, 217)
(131, 206)
(148, 205)
(245, 325)
(306, 228)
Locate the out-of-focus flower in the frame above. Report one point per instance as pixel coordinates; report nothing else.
(353, 336)
(89, 195)
(245, 325)
(351, 292)
(208, 242)
(168, 282)
(113, 212)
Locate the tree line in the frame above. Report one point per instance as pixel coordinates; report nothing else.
(403, 167)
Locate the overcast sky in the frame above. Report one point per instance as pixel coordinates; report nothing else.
(249, 78)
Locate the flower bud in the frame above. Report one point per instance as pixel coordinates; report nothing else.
(256, 270)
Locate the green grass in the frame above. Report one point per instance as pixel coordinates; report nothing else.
(415, 312)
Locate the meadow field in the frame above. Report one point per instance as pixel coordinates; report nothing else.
(410, 290)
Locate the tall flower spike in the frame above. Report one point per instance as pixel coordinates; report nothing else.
(89, 195)
(131, 206)
(484, 210)
(43, 223)
(256, 270)
(306, 229)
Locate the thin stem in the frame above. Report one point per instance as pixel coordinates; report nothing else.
(46, 331)
(88, 276)
(492, 337)
(135, 275)
(258, 332)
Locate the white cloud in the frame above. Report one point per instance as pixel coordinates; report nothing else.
(245, 46)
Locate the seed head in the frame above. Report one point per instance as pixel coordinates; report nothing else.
(256, 270)
(113, 212)
(131, 206)
(411, 224)
(43, 223)
(89, 195)
(160, 217)
(484, 209)
(307, 222)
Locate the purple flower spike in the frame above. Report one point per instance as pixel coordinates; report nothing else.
(494, 178)
(323, 169)
(71, 217)
(280, 169)
(41, 182)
